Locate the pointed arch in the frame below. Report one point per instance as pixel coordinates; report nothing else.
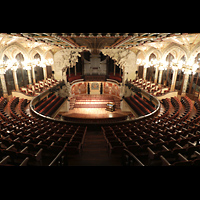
(141, 55)
(48, 54)
(155, 51)
(35, 51)
(12, 50)
(176, 50)
(194, 52)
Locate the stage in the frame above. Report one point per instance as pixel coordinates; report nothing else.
(92, 109)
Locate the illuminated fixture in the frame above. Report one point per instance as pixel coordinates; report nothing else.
(188, 67)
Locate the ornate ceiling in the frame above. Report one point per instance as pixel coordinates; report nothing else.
(97, 41)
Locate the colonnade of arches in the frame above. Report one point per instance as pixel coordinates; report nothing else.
(183, 78)
(12, 79)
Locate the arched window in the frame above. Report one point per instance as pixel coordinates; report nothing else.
(151, 70)
(167, 74)
(9, 78)
(179, 79)
(22, 75)
(38, 70)
(193, 87)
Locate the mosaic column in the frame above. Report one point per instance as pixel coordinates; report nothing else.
(186, 78)
(45, 72)
(29, 77)
(144, 73)
(174, 80)
(160, 77)
(3, 83)
(15, 80)
(156, 75)
(33, 75)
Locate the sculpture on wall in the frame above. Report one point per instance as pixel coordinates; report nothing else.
(64, 59)
(126, 59)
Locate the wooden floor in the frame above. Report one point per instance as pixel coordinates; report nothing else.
(94, 113)
(93, 107)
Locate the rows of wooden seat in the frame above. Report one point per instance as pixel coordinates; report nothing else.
(26, 140)
(138, 105)
(145, 103)
(152, 88)
(172, 138)
(50, 105)
(44, 103)
(39, 87)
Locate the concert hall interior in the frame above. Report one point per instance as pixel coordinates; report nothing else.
(99, 99)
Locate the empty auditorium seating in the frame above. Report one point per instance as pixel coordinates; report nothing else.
(50, 105)
(139, 105)
(170, 139)
(41, 86)
(44, 103)
(28, 141)
(152, 88)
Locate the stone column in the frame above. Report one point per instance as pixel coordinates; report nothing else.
(174, 80)
(3, 83)
(15, 80)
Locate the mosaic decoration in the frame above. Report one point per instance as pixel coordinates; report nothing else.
(95, 86)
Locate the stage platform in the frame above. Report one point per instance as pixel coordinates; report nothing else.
(92, 109)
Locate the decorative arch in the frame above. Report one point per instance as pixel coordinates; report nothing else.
(35, 51)
(176, 50)
(8, 56)
(155, 51)
(48, 54)
(141, 55)
(12, 50)
(194, 52)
